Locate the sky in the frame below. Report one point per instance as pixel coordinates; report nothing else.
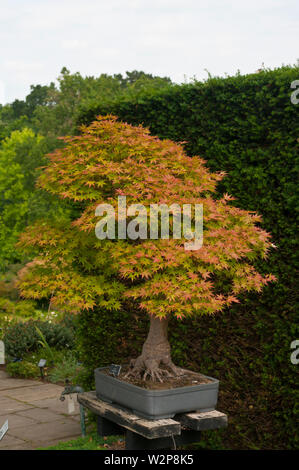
(181, 39)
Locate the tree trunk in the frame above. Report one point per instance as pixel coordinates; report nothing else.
(156, 345)
(155, 353)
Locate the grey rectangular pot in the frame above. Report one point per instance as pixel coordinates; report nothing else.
(156, 404)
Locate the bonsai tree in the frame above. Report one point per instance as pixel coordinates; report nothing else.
(78, 270)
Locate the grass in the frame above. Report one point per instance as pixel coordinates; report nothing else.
(90, 442)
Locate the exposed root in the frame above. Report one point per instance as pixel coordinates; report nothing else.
(151, 368)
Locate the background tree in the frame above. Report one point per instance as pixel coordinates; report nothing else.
(52, 110)
(58, 114)
(21, 203)
(109, 159)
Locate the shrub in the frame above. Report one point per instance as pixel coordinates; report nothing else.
(54, 357)
(21, 338)
(22, 369)
(68, 368)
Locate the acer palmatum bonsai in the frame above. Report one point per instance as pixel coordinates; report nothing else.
(111, 159)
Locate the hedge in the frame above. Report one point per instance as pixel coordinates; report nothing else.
(247, 126)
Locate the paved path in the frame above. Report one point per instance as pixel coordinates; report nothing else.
(36, 416)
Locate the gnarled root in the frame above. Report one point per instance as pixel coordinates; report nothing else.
(145, 367)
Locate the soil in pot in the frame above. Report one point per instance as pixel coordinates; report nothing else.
(189, 378)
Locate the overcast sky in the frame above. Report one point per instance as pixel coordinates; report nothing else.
(175, 38)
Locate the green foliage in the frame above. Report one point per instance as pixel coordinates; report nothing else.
(14, 309)
(21, 309)
(68, 368)
(21, 154)
(22, 369)
(22, 337)
(61, 364)
(103, 338)
(247, 126)
(56, 356)
(43, 342)
(57, 113)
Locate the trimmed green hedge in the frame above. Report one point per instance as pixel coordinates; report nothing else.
(247, 126)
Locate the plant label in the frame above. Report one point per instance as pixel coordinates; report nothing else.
(3, 429)
(114, 369)
(2, 353)
(42, 363)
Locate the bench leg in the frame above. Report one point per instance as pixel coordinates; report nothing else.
(108, 428)
(188, 436)
(136, 442)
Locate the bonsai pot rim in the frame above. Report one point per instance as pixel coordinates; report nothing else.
(169, 391)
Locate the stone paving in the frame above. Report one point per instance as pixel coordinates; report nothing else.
(36, 417)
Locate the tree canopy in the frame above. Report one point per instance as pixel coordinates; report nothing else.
(109, 159)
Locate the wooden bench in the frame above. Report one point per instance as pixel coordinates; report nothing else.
(147, 434)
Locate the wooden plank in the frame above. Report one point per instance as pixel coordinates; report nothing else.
(151, 429)
(202, 421)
